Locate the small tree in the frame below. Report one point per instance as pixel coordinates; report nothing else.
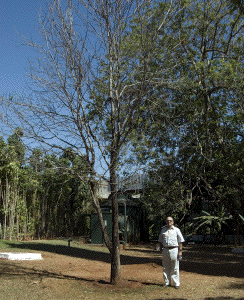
(90, 92)
(213, 222)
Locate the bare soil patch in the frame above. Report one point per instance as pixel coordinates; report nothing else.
(82, 272)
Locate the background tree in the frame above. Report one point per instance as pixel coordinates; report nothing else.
(203, 143)
(44, 197)
(15, 141)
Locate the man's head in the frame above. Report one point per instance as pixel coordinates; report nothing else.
(169, 222)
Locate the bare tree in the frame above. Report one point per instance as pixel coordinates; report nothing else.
(89, 89)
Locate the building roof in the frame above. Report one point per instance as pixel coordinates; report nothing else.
(129, 202)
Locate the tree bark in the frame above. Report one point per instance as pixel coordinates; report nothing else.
(115, 254)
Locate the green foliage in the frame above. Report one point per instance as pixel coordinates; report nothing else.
(15, 142)
(213, 222)
(163, 194)
(194, 140)
(45, 197)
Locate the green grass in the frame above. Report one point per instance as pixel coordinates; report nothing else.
(55, 246)
(7, 246)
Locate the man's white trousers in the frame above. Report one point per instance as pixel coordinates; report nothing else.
(171, 266)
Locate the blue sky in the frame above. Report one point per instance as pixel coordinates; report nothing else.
(17, 17)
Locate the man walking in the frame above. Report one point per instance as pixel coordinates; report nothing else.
(171, 240)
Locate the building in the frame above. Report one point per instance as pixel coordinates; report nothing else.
(132, 225)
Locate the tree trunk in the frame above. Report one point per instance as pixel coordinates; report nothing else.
(97, 206)
(115, 254)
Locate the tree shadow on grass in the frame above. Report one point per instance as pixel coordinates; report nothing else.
(63, 250)
(83, 253)
(194, 260)
(147, 283)
(10, 270)
(211, 260)
(238, 286)
(213, 269)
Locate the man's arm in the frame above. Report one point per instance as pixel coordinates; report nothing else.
(180, 241)
(180, 250)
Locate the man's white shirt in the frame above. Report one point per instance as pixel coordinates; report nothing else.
(170, 237)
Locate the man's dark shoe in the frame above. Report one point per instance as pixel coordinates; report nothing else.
(176, 287)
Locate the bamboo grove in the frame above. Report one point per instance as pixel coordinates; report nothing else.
(38, 199)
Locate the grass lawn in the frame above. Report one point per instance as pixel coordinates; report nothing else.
(82, 272)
